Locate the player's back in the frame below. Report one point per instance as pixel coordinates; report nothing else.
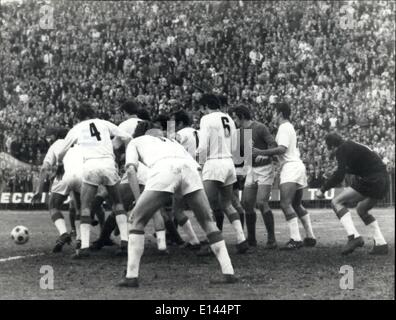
(189, 138)
(73, 161)
(51, 156)
(360, 159)
(94, 137)
(217, 131)
(151, 149)
(287, 137)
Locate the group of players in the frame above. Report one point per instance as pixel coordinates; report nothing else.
(169, 163)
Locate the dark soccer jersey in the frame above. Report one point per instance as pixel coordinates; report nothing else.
(262, 139)
(357, 159)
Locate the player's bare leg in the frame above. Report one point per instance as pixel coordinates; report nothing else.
(88, 192)
(55, 204)
(303, 215)
(233, 216)
(287, 192)
(236, 203)
(173, 235)
(185, 223)
(339, 204)
(160, 233)
(148, 204)
(120, 216)
(199, 204)
(363, 208)
(76, 200)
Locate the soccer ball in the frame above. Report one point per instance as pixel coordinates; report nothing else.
(20, 234)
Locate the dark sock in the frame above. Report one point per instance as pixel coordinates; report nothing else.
(108, 227)
(172, 232)
(268, 218)
(72, 218)
(251, 225)
(96, 208)
(219, 218)
(242, 217)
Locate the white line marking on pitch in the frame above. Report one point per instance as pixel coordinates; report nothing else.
(21, 257)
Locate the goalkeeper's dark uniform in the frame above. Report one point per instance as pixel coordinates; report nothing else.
(370, 176)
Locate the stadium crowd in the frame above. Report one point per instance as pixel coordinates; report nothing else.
(332, 61)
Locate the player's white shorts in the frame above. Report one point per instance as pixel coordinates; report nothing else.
(174, 175)
(100, 172)
(294, 172)
(67, 184)
(262, 175)
(142, 175)
(222, 170)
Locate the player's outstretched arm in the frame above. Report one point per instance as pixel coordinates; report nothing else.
(69, 141)
(120, 136)
(337, 177)
(40, 186)
(131, 166)
(133, 181)
(269, 152)
(202, 150)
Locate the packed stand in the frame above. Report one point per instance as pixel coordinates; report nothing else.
(332, 61)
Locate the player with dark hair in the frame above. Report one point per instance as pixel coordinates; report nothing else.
(217, 141)
(369, 185)
(293, 178)
(259, 178)
(143, 114)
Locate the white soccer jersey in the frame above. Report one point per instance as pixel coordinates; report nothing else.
(217, 135)
(73, 161)
(149, 150)
(189, 139)
(286, 136)
(128, 126)
(52, 154)
(94, 137)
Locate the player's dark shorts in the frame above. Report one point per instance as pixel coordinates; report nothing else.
(240, 183)
(374, 186)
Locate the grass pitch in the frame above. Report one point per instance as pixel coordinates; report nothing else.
(309, 273)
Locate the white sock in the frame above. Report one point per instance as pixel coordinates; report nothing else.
(135, 252)
(161, 239)
(85, 229)
(189, 231)
(61, 226)
(78, 231)
(122, 223)
(220, 250)
(306, 221)
(294, 230)
(346, 221)
(238, 230)
(377, 234)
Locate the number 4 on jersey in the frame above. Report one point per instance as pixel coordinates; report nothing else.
(94, 131)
